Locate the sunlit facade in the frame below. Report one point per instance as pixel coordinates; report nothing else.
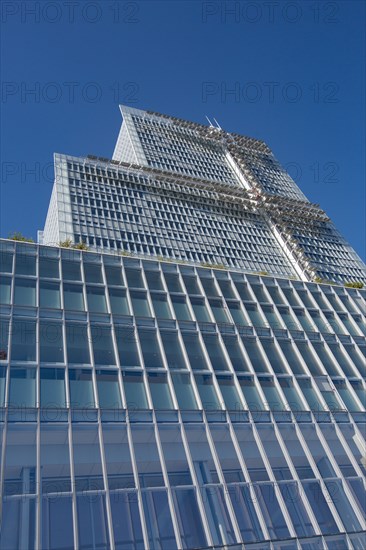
(149, 400)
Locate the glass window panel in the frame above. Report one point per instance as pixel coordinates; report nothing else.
(291, 494)
(23, 341)
(159, 390)
(189, 519)
(22, 392)
(154, 280)
(71, 270)
(181, 308)
(289, 320)
(360, 391)
(244, 292)
(337, 449)
(2, 393)
(127, 346)
(218, 310)
(326, 359)
(25, 292)
(52, 385)
(134, 278)
(246, 515)
(150, 349)
(102, 345)
(49, 295)
(250, 451)
(275, 294)
(200, 310)
(343, 506)
(96, 299)
(175, 456)
(236, 356)
(291, 356)
(317, 450)
(333, 323)
(56, 523)
(73, 297)
(226, 289)
(6, 262)
(255, 355)
(255, 315)
(5, 290)
(217, 516)
(320, 507)
(158, 520)
(117, 457)
(118, 301)
(274, 452)
(173, 282)
(184, 391)
(230, 393)
(14, 510)
(259, 293)
(108, 390)
(308, 356)
(87, 460)
(342, 360)
(209, 286)
(114, 275)
(215, 352)
(272, 317)
(295, 450)
(225, 450)
(292, 395)
(191, 285)
(272, 512)
(305, 298)
(274, 400)
(51, 342)
(20, 460)
(4, 337)
(135, 390)
(346, 395)
(126, 521)
(291, 297)
(194, 351)
(140, 304)
(81, 388)
(357, 487)
(77, 344)
(237, 314)
(147, 456)
(54, 459)
(251, 394)
(310, 394)
(93, 273)
(274, 357)
(25, 264)
(92, 522)
(355, 443)
(161, 306)
(201, 454)
(173, 350)
(357, 359)
(206, 389)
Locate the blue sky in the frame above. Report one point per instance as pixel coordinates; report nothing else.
(290, 73)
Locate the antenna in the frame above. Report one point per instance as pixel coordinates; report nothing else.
(209, 121)
(218, 125)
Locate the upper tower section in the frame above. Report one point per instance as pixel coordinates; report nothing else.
(199, 151)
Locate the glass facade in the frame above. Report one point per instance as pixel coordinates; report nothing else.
(128, 421)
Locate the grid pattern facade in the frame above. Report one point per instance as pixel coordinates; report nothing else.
(155, 405)
(119, 208)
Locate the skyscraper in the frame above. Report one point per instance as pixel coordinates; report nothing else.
(197, 378)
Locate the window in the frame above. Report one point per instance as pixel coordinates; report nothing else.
(126, 338)
(101, 337)
(133, 383)
(174, 454)
(96, 299)
(147, 456)
(52, 389)
(173, 350)
(158, 520)
(251, 394)
(77, 342)
(189, 518)
(5, 290)
(23, 340)
(140, 304)
(108, 389)
(73, 297)
(49, 295)
(159, 390)
(81, 388)
(161, 307)
(93, 273)
(22, 392)
(215, 352)
(207, 392)
(150, 349)
(118, 459)
(71, 270)
(25, 292)
(118, 301)
(49, 268)
(181, 308)
(184, 391)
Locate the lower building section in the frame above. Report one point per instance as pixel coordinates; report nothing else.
(153, 405)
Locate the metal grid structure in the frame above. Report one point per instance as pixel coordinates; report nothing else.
(149, 404)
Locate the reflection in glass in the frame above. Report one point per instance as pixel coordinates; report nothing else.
(158, 520)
